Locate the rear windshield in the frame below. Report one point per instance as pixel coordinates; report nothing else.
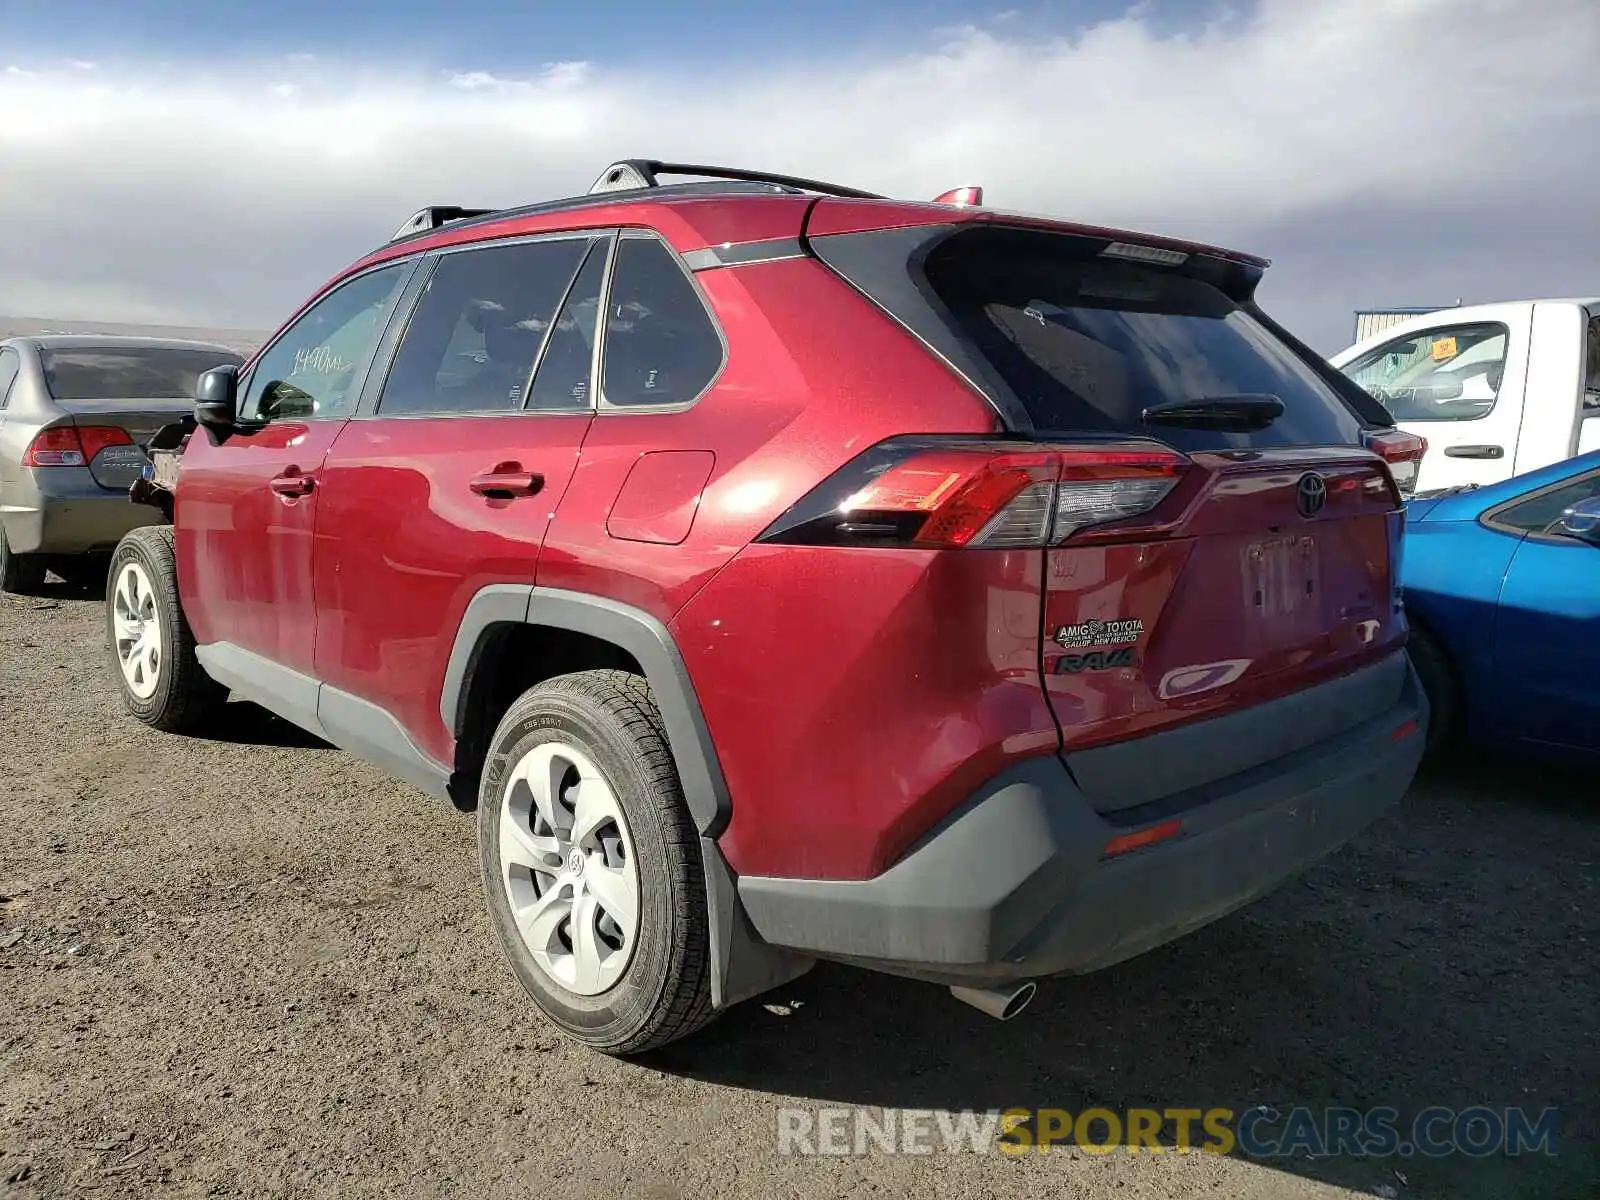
(128, 373)
(1087, 344)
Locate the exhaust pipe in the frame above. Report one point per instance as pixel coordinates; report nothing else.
(1001, 1004)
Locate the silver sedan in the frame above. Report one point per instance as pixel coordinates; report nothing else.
(76, 413)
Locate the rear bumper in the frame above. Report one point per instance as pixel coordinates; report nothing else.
(66, 512)
(1015, 886)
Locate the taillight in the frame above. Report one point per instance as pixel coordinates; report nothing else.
(955, 492)
(1402, 451)
(72, 445)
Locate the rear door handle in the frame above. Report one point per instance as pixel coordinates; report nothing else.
(506, 481)
(291, 483)
(1474, 452)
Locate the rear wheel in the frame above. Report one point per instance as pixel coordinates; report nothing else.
(19, 573)
(163, 683)
(1439, 683)
(591, 864)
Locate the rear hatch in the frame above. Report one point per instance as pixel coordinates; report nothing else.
(1220, 538)
(118, 396)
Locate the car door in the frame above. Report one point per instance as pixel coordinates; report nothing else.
(446, 480)
(1547, 632)
(1459, 385)
(247, 504)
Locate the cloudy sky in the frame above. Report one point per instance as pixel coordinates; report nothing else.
(209, 164)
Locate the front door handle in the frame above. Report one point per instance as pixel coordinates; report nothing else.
(506, 481)
(1474, 452)
(291, 483)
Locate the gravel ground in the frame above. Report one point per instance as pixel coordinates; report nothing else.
(258, 967)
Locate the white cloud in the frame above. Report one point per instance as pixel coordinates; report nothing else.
(1378, 150)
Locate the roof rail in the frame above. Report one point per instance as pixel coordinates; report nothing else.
(425, 219)
(631, 174)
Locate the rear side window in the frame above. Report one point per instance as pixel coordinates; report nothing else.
(477, 331)
(561, 382)
(1447, 374)
(156, 373)
(660, 345)
(10, 364)
(1541, 512)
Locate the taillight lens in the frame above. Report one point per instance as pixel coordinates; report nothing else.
(1402, 451)
(72, 445)
(952, 492)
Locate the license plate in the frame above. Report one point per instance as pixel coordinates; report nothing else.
(1283, 583)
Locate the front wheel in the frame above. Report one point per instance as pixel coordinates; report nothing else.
(591, 864)
(162, 682)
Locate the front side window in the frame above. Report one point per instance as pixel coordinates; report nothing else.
(1450, 374)
(1541, 512)
(477, 331)
(313, 370)
(660, 345)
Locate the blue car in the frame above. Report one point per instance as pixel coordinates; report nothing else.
(1502, 589)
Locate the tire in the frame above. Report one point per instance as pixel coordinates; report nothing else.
(172, 692)
(1439, 683)
(20, 574)
(630, 994)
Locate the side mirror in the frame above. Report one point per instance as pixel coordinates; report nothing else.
(1582, 522)
(216, 398)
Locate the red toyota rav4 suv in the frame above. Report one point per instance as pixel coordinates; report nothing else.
(786, 573)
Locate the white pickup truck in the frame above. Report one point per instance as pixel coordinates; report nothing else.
(1496, 389)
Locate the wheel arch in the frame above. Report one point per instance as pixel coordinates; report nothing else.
(742, 964)
(644, 641)
(1427, 628)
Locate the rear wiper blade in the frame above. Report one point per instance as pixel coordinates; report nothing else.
(1244, 411)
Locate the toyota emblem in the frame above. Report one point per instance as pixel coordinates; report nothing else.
(1311, 493)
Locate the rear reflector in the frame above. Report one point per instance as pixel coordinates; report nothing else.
(1402, 732)
(1402, 451)
(952, 492)
(72, 445)
(1149, 836)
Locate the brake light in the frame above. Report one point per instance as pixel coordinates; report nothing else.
(1402, 451)
(72, 445)
(952, 492)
